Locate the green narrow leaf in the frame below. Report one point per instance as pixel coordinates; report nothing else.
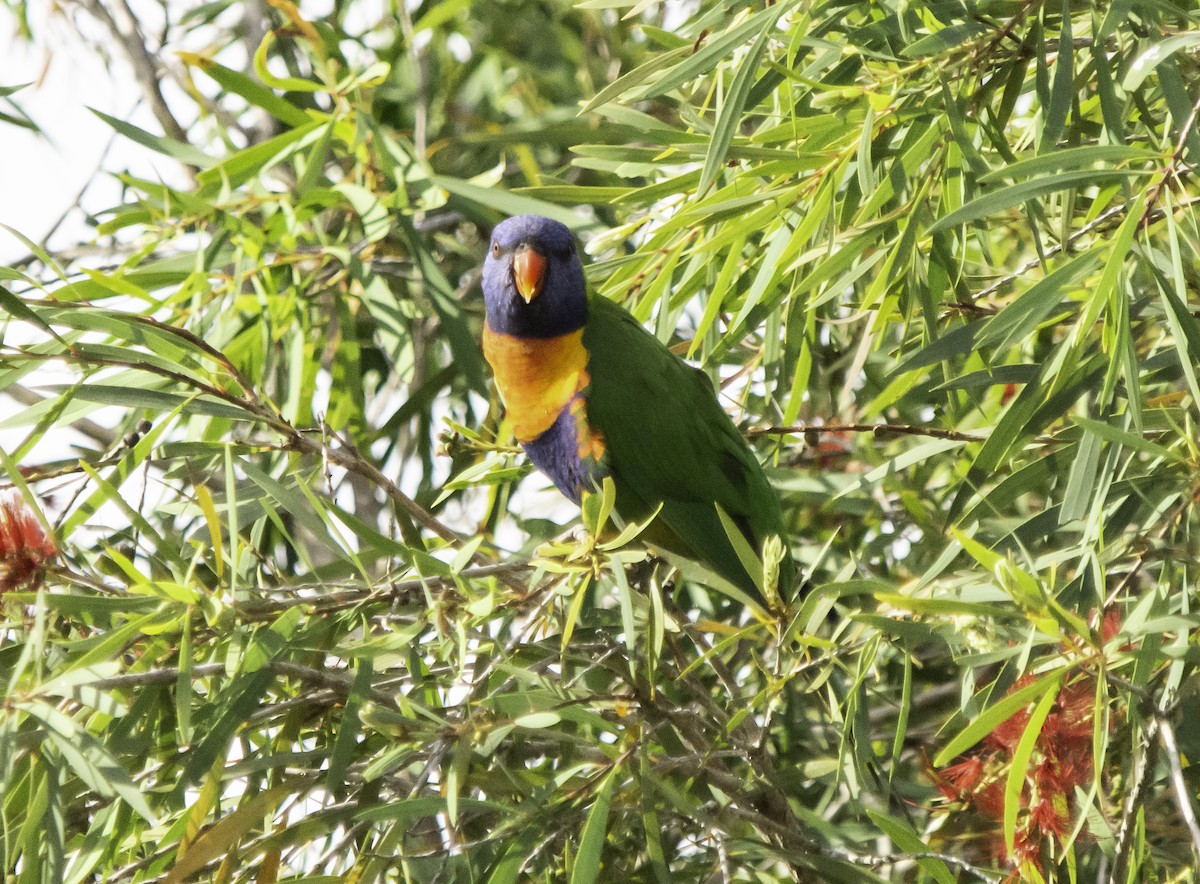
(53, 829)
(902, 716)
(1081, 480)
(294, 498)
(509, 203)
(439, 14)
(580, 194)
(285, 84)
(572, 617)
(717, 293)
(456, 772)
(238, 168)
(745, 553)
(17, 308)
(1185, 331)
(634, 78)
(32, 831)
(176, 150)
(1117, 256)
(996, 715)
(1177, 93)
(1015, 194)
(1145, 63)
(625, 599)
(1019, 766)
(1062, 88)
(1110, 106)
(183, 684)
(586, 868)
(950, 37)
(94, 764)
(1088, 157)
(956, 117)
(897, 465)
(508, 869)
(1018, 422)
(729, 117)
(314, 162)
(236, 704)
(1018, 320)
(706, 58)
(255, 93)
(1125, 439)
(769, 270)
(650, 821)
(910, 842)
(347, 734)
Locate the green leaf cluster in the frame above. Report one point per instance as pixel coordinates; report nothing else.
(312, 618)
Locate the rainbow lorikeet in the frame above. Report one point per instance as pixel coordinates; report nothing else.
(590, 393)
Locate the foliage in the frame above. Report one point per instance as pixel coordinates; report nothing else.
(300, 612)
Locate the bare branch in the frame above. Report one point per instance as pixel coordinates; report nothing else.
(878, 429)
(119, 19)
(1166, 734)
(1140, 782)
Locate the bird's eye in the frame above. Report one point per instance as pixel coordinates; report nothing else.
(495, 250)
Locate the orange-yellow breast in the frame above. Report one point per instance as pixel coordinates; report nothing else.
(537, 377)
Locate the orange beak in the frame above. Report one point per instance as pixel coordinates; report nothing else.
(529, 272)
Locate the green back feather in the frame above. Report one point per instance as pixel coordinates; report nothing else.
(669, 440)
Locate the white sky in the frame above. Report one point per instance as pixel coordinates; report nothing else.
(41, 175)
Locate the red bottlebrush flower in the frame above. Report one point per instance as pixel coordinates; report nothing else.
(1060, 776)
(958, 781)
(1075, 707)
(990, 799)
(1061, 762)
(1027, 849)
(24, 545)
(1110, 624)
(1010, 390)
(1049, 815)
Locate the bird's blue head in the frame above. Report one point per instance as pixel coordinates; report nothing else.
(533, 285)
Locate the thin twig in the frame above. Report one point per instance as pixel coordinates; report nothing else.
(1135, 797)
(152, 677)
(75, 203)
(419, 108)
(341, 683)
(877, 429)
(397, 591)
(893, 858)
(1166, 735)
(1186, 131)
(1101, 220)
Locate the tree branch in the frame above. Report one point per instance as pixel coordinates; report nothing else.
(122, 24)
(878, 430)
(1166, 735)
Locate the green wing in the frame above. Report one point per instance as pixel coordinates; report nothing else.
(668, 439)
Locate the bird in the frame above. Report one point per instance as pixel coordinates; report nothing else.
(589, 393)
